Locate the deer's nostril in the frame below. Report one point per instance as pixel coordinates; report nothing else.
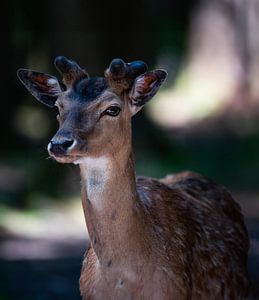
(60, 147)
(66, 144)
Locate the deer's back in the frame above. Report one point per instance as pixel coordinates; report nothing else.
(203, 234)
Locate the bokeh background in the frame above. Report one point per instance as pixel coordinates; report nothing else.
(205, 119)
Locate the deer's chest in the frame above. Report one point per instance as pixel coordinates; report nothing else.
(148, 282)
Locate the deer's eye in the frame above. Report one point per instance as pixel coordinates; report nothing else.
(112, 111)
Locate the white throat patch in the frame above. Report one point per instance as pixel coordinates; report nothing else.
(95, 173)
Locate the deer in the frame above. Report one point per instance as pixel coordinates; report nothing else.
(179, 237)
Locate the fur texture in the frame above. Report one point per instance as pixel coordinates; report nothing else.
(198, 249)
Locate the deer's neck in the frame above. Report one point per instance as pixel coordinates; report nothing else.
(113, 215)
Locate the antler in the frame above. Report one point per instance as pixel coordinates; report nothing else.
(70, 70)
(121, 75)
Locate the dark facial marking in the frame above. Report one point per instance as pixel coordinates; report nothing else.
(89, 89)
(121, 283)
(114, 215)
(88, 202)
(109, 263)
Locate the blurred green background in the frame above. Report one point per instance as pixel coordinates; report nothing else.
(205, 119)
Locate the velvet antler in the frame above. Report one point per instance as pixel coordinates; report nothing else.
(70, 70)
(121, 75)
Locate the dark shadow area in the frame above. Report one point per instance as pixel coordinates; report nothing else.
(40, 269)
(40, 279)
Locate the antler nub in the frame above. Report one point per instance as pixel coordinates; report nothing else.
(70, 70)
(118, 68)
(137, 68)
(121, 75)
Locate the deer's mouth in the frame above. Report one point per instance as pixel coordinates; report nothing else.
(62, 151)
(65, 158)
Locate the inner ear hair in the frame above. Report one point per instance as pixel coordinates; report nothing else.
(146, 86)
(43, 87)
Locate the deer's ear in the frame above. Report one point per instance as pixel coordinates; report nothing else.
(43, 87)
(144, 88)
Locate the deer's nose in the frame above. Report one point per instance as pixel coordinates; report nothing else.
(61, 146)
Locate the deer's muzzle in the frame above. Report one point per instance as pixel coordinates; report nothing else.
(60, 147)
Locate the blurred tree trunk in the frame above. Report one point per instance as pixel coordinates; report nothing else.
(246, 25)
(224, 45)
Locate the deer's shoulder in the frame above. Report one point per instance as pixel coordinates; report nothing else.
(189, 194)
(193, 218)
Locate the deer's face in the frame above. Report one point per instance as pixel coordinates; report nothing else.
(89, 125)
(94, 114)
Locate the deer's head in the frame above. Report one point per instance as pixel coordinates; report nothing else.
(93, 112)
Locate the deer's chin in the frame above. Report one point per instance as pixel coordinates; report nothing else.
(65, 159)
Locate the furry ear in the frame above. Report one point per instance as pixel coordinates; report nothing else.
(144, 88)
(43, 87)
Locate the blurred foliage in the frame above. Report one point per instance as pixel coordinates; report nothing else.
(93, 33)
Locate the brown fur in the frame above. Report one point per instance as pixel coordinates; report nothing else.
(179, 238)
(195, 248)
